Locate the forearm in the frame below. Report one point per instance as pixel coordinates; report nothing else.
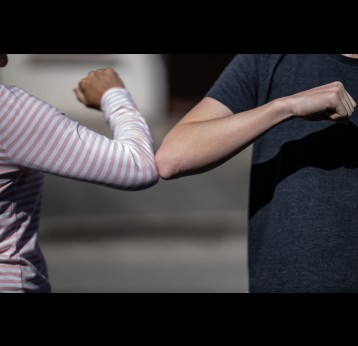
(130, 154)
(126, 162)
(200, 145)
(131, 131)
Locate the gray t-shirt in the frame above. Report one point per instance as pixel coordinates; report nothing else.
(303, 233)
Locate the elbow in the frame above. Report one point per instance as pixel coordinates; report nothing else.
(148, 173)
(166, 165)
(147, 179)
(143, 177)
(150, 181)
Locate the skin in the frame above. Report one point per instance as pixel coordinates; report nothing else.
(353, 56)
(210, 133)
(91, 89)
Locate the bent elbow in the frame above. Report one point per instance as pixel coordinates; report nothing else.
(149, 181)
(166, 165)
(147, 176)
(142, 177)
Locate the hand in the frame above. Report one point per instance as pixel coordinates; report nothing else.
(91, 89)
(330, 101)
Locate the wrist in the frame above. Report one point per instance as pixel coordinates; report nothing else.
(107, 95)
(115, 99)
(283, 108)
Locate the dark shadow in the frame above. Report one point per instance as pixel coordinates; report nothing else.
(327, 149)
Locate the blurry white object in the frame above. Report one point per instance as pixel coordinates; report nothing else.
(52, 78)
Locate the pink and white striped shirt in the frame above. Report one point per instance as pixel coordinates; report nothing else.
(36, 138)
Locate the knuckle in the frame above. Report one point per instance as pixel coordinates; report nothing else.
(339, 86)
(82, 83)
(109, 72)
(333, 96)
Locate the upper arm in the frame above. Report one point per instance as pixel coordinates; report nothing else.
(207, 109)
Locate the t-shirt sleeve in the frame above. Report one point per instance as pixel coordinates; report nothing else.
(237, 86)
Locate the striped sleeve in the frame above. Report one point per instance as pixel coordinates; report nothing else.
(36, 135)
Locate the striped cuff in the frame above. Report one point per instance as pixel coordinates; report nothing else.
(114, 99)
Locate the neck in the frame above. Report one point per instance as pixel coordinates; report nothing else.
(354, 56)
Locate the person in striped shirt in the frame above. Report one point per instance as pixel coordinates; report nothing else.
(36, 138)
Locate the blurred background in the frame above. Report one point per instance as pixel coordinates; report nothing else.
(185, 235)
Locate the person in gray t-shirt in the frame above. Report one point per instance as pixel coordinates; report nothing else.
(299, 111)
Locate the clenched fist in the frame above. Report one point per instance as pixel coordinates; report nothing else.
(330, 101)
(91, 89)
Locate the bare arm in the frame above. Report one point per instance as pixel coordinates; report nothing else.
(210, 134)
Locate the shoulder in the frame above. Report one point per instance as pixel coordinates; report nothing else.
(256, 59)
(15, 102)
(15, 95)
(252, 64)
(9, 92)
